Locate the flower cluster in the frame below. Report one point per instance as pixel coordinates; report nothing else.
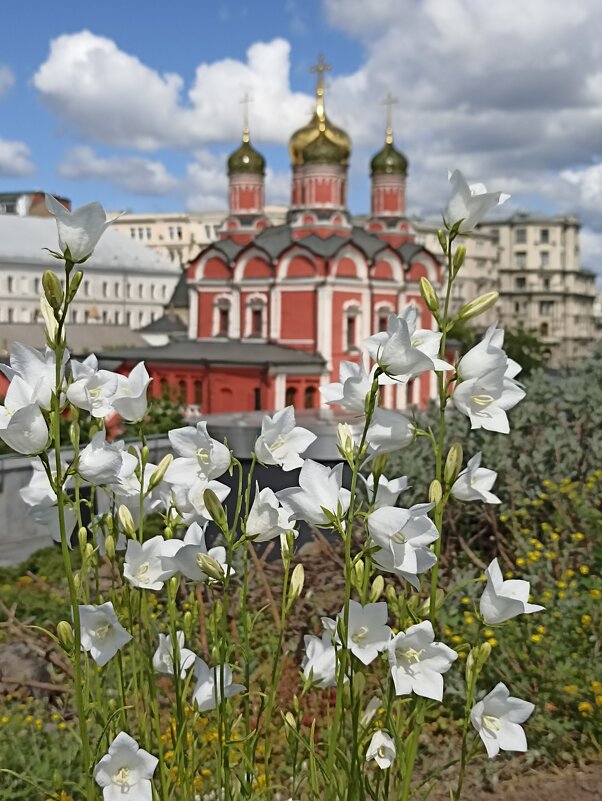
(204, 548)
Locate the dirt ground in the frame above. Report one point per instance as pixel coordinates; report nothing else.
(569, 785)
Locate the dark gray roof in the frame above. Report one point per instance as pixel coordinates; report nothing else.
(368, 243)
(278, 238)
(228, 247)
(168, 324)
(325, 247)
(179, 297)
(408, 250)
(274, 240)
(82, 338)
(219, 352)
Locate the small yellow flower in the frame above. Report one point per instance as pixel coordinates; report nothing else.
(520, 561)
(503, 518)
(584, 570)
(570, 689)
(38, 724)
(554, 536)
(596, 686)
(536, 638)
(492, 642)
(562, 594)
(586, 620)
(596, 594)
(466, 601)
(551, 555)
(206, 773)
(508, 574)
(62, 725)
(585, 708)
(4, 720)
(541, 629)
(569, 573)
(577, 536)
(561, 584)
(469, 620)
(447, 631)
(598, 700)
(489, 633)
(29, 719)
(456, 638)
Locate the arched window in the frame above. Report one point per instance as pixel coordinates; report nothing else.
(382, 318)
(198, 393)
(291, 396)
(164, 386)
(182, 390)
(255, 317)
(352, 327)
(544, 329)
(256, 321)
(223, 317)
(310, 398)
(257, 398)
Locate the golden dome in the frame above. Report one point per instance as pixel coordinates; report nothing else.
(319, 123)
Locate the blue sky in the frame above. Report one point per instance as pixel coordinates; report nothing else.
(137, 104)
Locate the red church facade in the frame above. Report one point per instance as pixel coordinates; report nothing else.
(274, 310)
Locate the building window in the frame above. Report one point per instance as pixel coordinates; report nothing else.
(198, 393)
(223, 319)
(544, 258)
(291, 396)
(544, 329)
(105, 289)
(521, 260)
(140, 290)
(208, 231)
(546, 306)
(546, 284)
(256, 321)
(182, 391)
(351, 328)
(520, 236)
(148, 233)
(544, 236)
(521, 282)
(171, 231)
(10, 284)
(87, 288)
(382, 319)
(128, 319)
(133, 233)
(117, 289)
(309, 400)
(257, 399)
(163, 292)
(141, 233)
(179, 232)
(105, 316)
(164, 388)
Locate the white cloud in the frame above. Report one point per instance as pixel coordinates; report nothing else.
(15, 159)
(134, 174)
(111, 97)
(7, 79)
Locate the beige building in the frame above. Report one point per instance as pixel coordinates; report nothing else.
(479, 273)
(542, 287)
(179, 236)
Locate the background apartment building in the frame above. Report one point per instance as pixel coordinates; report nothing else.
(179, 236)
(542, 287)
(479, 273)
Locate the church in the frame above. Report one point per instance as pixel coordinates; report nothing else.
(273, 310)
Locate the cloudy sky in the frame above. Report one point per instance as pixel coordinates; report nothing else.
(136, 103)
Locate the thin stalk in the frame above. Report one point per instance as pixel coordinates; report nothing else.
(342, 654)
(59, 349)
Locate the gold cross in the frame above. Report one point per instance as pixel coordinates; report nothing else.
(320, 68)
(245, 101)
(389, 102)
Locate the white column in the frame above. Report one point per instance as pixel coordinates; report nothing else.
(193, 322)
(279, 391)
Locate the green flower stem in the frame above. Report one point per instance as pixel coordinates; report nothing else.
(440, 442)
(470, 691)
(342, 653)
(59, 350)
(411, 750)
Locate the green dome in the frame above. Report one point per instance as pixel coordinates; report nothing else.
(389, 161)
(322, 150)
(246, 159)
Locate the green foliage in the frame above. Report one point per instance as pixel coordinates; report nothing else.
(525, 348)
